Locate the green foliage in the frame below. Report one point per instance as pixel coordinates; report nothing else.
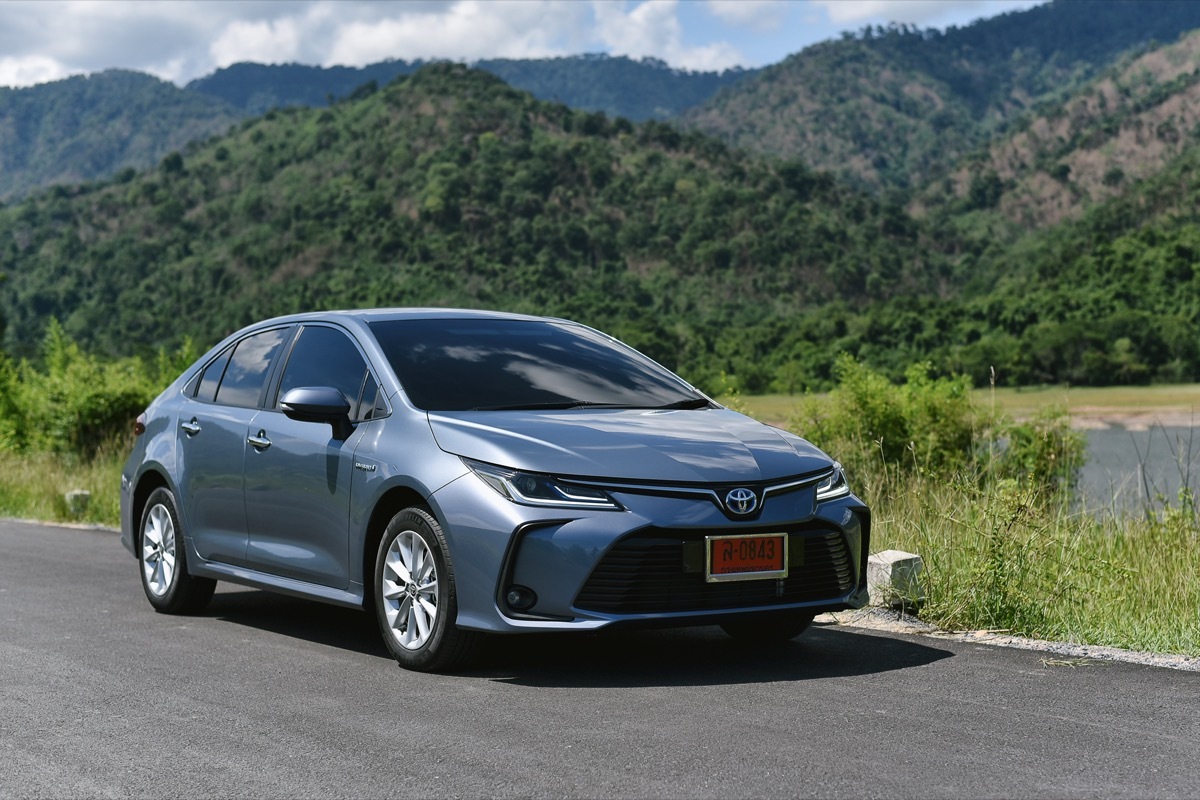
(448, 188)
(1041, 452)
(897, 107)
(926, 424)
(88, 127)
(931, 427)
(77, 404)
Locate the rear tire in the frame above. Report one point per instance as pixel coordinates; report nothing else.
(768, 628)
(416, 603)
(162, 556)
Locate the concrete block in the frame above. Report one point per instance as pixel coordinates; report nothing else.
(893, 579)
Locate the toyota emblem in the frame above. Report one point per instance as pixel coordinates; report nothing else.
(741, 501)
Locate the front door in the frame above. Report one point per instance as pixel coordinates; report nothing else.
(298, 474)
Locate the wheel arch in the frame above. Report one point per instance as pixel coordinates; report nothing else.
(390, 504)
(149, 480)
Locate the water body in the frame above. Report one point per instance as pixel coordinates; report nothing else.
(1130, 468)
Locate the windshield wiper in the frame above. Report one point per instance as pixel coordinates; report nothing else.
(690, 403)
(551, 406)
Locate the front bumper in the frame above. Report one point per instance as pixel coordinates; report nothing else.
(643, 564)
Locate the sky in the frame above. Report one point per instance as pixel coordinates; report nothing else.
(179, 40)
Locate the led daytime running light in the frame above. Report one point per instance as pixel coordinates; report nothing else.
(533, 489)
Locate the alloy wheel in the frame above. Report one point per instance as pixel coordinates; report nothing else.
(409, 589)
(158, 550)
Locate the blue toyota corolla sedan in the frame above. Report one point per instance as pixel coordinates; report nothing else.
(459, 473)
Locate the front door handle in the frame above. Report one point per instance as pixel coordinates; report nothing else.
(259, 441)
(190, 428)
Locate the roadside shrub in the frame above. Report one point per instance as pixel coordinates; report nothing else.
(1042, 451)
(931, 427)
(10, 411)
(925, 424)
(78, 403)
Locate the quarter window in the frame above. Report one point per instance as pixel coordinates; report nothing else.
(212, 376)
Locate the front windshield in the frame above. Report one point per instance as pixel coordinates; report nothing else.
(489, 364)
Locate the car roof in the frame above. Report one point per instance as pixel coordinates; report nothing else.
(369, 315)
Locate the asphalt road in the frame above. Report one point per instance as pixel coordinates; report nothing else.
(265, 696)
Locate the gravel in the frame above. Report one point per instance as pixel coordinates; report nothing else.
(1066, 653)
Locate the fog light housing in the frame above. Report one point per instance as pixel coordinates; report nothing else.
(520, 598)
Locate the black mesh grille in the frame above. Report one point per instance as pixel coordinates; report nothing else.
(646, 574)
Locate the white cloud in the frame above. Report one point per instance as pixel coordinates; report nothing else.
(652, 28)
(760, 15)
(466, 30)
(917, 12)
(264, 41)
(31, 70)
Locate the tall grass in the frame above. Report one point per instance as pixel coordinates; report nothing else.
(1005, 542)
(1009, 558)
(33, 485)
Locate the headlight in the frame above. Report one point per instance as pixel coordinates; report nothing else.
(834, 486)
(540, 490)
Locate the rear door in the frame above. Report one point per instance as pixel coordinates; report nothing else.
(211, 442)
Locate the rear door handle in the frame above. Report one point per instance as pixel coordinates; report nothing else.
(259, 441)
(190, 428)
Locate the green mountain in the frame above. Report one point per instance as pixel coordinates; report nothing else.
(618, 86)
(85, 128)
(1128, 124)
(451, 188)
(82, 128)
(898, 107)
(1026, 213)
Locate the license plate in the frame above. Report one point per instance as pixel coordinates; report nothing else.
(746, 557)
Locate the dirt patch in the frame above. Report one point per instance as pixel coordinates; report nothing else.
(1093, 419)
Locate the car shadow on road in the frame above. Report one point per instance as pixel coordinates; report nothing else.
(693, 657)
(309, 620)
(701, 656)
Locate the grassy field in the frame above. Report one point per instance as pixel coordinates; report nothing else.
(1081, 402)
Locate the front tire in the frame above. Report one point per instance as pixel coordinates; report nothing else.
(163, 560)
(415, 599)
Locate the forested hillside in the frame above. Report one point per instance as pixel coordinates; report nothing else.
(82, 128)
(85, 128)
(1128, 124)
(617, 85)
(897, 107)
(451, 188)
(1013, 200)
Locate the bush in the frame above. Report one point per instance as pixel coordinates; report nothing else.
(926, 424)
(931, 427)
(76, 405)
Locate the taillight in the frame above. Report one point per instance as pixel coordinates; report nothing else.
(139, 425)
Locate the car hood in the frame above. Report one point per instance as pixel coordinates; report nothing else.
(690, 446)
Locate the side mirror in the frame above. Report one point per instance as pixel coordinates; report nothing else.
(319, 404)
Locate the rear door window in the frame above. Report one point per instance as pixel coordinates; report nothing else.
(246, 375)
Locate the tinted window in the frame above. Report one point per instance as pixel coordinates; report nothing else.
(247, 371)
(458, 365)
(370, 405)
(325, 357)
(212, 376)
